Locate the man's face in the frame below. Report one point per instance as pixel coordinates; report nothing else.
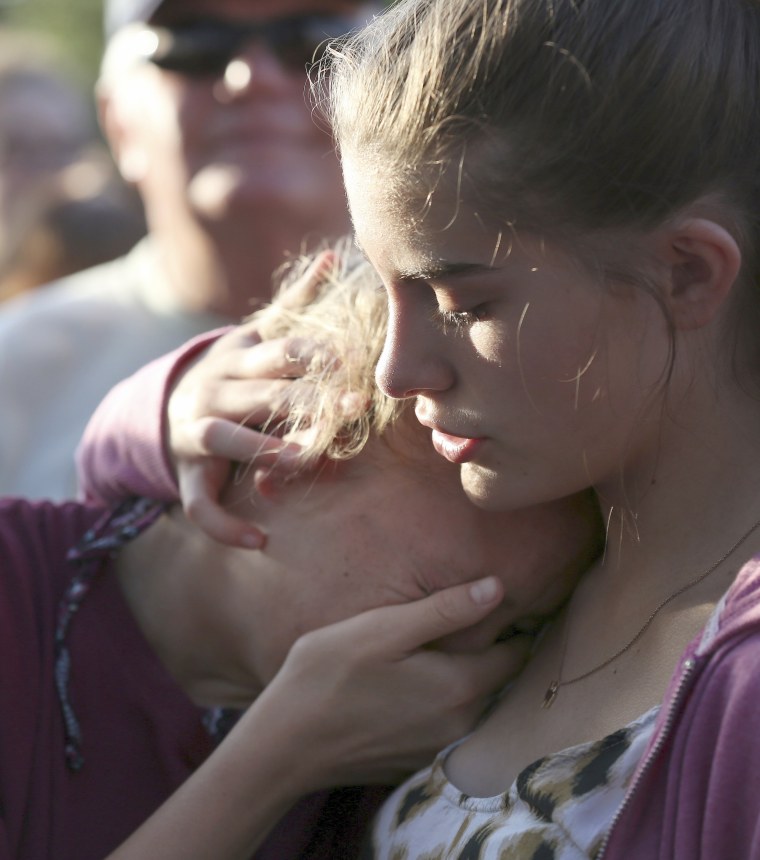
(238, 142)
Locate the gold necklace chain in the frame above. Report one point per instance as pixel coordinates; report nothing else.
(556, 685)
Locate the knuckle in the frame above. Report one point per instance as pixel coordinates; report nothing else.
(206, 435)
(447, 607)
(196, 509)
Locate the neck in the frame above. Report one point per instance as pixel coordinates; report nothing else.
(224, 269)
(684, 507)
(708, 476)
(195, 603)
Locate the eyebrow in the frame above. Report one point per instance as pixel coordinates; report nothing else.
(441, 269)
(434, 269)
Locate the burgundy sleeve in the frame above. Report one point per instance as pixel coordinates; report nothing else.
(123, 451)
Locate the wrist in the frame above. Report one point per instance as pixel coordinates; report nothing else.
(284, 736)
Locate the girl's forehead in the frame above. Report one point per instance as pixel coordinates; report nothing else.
(413, 229)
(417, 238)
(392, 214)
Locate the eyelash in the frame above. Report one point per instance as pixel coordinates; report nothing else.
(460, 319)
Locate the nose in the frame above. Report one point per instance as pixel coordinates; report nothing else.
(255, 68)
(412, 361)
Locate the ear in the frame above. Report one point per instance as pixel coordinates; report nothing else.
(129, 156)
(703, 261)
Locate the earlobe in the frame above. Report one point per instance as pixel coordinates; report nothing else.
(133, 165)
(704, 261)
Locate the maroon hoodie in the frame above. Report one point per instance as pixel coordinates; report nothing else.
(136, 735)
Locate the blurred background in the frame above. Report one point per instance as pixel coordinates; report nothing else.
(75, 26)
(63, 207)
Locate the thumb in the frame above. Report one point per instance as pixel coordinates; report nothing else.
(413, 625)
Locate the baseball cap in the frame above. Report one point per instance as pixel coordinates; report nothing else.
(119, 13)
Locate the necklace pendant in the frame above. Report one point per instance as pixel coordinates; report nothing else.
(550, 695)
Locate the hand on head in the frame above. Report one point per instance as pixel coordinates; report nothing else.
(220, 402)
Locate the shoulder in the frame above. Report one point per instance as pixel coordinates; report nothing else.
(34, 540)
(716, 752)
(742, 602)
(722, 705)
(113, 308)
(48, 323)
(99, 283)
(101, 313)
(698, 796)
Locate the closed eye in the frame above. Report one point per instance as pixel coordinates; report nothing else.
(460, 320)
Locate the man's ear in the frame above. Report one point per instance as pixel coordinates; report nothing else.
(129, 157)
(703, 260)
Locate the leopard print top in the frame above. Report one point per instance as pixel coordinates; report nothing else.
(559, 808)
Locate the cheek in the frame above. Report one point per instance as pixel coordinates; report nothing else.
(369, 574)
(193, 119)
(557, 360)
(492, 343)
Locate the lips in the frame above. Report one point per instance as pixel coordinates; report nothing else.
(456, 449)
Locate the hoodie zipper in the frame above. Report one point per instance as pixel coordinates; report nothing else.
(687, 670)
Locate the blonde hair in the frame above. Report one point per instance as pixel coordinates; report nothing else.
(336, 406)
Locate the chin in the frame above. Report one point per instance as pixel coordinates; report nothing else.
(482, 487)
(220, 190)
(494, 491)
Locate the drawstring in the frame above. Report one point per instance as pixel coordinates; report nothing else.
(90, 556)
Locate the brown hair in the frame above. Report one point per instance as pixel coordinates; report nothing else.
(588, 114)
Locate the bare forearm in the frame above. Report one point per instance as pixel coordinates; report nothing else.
(359, 702)
(229, 805)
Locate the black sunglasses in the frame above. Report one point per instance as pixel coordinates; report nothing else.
(205, 47)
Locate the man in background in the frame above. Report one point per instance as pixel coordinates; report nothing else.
(203, 105)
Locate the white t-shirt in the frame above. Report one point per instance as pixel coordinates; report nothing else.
(63, 347)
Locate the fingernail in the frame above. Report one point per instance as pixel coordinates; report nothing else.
(290, 453)
(296, 350)
(484, 590)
